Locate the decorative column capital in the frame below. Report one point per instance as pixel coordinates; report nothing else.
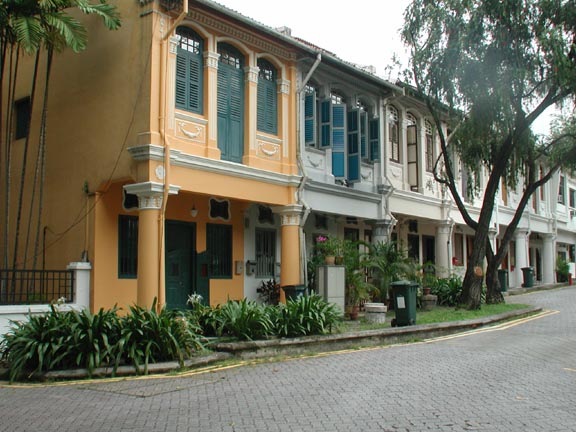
(211, 59)
(492, 233)
(290, 215)
(283, 86)
(445, 226)
(251, 74)
(173, 45)
(382, 227)
(150, 194)
(521, 232)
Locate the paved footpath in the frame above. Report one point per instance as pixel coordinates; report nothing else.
(519, 377)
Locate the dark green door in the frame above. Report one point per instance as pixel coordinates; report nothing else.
(180, 266)
(230, 103)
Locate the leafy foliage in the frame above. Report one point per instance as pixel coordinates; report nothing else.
(243, 319)
(269, 292)
(148, 336)
(60, 339)
(307, 315)
(31, 24)
(72, 339)
(448, 290)
(487, 70)
(388, 263)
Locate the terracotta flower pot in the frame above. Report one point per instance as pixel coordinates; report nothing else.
(330, 259)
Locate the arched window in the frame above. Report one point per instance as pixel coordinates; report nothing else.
(429, 147)
(267, 97)
(230, 103)
(310, 126)
(412, 152)
(393, 134)
(189, 70)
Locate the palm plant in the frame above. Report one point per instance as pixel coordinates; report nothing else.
(388, 264)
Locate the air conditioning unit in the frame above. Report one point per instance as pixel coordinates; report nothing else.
(572, 213)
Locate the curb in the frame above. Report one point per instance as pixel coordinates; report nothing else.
(335, 342)
(296, 346)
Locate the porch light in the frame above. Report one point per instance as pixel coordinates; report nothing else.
(193, 210)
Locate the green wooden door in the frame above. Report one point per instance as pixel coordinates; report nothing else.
(180, 267)
(230, 103)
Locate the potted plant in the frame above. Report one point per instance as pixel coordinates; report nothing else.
(562, 270)
(358, 291)
(388, 263)
(330, 248)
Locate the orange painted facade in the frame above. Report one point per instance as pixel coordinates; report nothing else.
(114, 129)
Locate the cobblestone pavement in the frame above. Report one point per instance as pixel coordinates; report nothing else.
(519, 377)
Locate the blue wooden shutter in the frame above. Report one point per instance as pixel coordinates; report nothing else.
(310, 118)
(326, 123)
(195, 83)
(181, 81)
(354, 145)
(374, 139)
(236, 100)
(267, 106)
(222, 110)
(364, 134)
(189, 81)
(339, 141)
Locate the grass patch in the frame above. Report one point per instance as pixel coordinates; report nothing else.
(437, 315)
(447, 314)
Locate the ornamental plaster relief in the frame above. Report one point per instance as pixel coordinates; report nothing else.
(268, 150)
(241, 35)
(190, 131)
(315, 161)
(367, 174)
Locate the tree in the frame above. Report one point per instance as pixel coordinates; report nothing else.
(490, 69)
(39, 27)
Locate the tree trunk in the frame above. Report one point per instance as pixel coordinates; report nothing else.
(494, 291)
(472, 285)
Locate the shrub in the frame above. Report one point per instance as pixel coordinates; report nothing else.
(269, 292)
(61, 339)
(307, 315)
(243, 319)
(147, 337)
(448, 290)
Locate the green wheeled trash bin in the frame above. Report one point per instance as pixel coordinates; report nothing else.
(528, 275)
(294, 291)
(503, 279)
(404, 293)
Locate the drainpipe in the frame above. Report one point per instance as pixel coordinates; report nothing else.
(299, 151)
(164, 139)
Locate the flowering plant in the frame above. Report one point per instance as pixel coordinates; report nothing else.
(329, 245)
(194, 299)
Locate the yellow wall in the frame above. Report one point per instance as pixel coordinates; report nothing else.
(108, 99)
(107, 289)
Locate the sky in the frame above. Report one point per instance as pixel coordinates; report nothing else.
(366, 34)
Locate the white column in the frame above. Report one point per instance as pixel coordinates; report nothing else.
(81, 283)
(521, 239)
(443, 249)
(381, 231)
(548, 258)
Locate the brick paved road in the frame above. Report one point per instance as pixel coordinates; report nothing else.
(520, 378)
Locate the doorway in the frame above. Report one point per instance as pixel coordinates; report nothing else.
(180, 263)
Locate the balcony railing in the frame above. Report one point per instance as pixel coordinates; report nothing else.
(23, 287)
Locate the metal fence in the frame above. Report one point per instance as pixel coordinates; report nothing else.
(23, 287)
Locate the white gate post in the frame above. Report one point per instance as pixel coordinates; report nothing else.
(81, 283)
